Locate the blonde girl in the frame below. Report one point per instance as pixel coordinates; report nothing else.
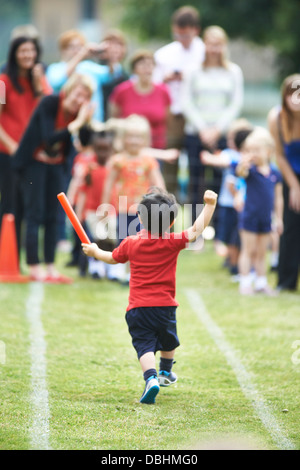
(263, 198)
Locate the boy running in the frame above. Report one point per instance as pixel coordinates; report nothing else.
(153, 253)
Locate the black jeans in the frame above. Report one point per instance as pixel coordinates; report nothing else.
(12, 200)
(42, 183)
(6, 185)
(289, 254)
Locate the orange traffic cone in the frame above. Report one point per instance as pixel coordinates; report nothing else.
(9, 259)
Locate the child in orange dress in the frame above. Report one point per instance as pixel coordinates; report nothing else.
(132, 171)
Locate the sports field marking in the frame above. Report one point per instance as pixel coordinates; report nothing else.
(39, 430)
(261, 408)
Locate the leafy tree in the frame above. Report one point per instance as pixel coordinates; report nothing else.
(265, 22)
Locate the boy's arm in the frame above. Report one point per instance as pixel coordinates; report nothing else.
(113, 110)
(92, 250)
(157, 178)
(243, 167)
(168, 155)
(109, 184)
(9, 143)
(230, 182)
(202, 221)
(79, 208)
(220, 160)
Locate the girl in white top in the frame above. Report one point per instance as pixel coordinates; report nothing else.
(213, 94)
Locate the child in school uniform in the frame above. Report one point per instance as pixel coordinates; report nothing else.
(263, 199)
(153, 253)
(84, 157)
(88, 201)
(227, 236)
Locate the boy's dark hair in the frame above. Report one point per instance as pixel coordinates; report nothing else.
(85, 135)
(104, 134)
(240, 137)
(186, 16)
(158, 210)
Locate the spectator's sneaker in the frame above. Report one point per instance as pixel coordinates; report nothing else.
(58, 279)
(267, 290)
(150, 392)
(166, 378)
(246, 290)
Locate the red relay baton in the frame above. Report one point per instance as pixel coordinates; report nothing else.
(73, 218)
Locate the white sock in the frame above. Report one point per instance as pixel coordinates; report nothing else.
(96, 267)
(246, 280)
(116, 271)
(260, 282)
(101, 268)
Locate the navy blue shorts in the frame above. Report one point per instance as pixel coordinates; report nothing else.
(152, 329)
(256, 224)
(227, 228)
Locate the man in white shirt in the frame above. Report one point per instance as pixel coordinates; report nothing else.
(173, 61)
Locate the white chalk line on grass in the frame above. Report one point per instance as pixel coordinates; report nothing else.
(244, 379)
(39, 430)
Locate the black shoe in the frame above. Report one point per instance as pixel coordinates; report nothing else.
(71, 264)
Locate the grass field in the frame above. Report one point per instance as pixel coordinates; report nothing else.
(69, 377)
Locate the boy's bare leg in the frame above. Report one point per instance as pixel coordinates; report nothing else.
(167, 354)
(262, 246)
(261, 283)
(147, 361)
(246, 260)
(248, 251)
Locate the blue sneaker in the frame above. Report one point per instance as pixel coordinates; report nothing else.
(150, 392)
(166, 378)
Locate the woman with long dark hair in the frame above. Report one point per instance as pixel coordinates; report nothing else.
(284, 123)
(23, 83)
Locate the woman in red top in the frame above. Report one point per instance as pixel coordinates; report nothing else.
(140, 95)
(23, 83)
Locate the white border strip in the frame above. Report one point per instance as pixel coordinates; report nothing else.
(243, 377)
(39, 430)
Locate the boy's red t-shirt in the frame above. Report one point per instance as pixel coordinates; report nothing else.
(153, 264)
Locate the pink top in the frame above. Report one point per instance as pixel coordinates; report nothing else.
(154, 106)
